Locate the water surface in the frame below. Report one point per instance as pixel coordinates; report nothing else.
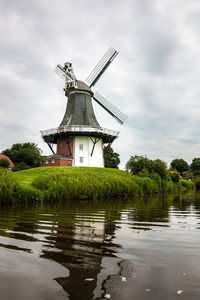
(138, 249)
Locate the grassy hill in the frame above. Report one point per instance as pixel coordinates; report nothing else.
(61, 183)
(73, 183)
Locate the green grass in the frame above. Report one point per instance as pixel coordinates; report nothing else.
(61, 183)
(51, 184)
(27, 176)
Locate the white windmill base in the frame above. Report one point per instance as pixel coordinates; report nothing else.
(86, 153)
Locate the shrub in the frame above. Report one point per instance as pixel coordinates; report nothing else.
(174, 176)
(189, 185)
(147, 185)
(195, 166)
(4, 163)
(196, 181)
(20, 166)
(8, 186)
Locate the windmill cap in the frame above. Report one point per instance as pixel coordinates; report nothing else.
(81, 86)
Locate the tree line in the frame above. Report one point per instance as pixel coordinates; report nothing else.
(28, 155)
(141, 165)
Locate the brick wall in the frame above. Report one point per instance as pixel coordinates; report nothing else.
(57, 162)
(62, 146)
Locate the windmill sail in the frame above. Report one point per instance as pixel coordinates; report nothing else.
(60, 72)
(111, 109)
(101, 67)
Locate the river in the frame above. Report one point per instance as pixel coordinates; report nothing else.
(137, 249)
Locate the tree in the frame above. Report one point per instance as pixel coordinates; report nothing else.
(195, 166)
(137, 163)
(4, 163)
(159, 167)
(26, 153)
(142, 165)
(174, 176)
(111, 158)
(179, 165)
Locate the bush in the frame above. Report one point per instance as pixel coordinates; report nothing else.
(4, 163)
(189, 185)
(20, 166)
(174, 176)
(147, 185)
(8, 186)
(196, 181)
(195, 166)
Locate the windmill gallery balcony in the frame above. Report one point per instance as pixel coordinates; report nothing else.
(51, 135)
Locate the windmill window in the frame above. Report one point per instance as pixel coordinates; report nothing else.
(81, 159)
(53, 161)
(80, 146)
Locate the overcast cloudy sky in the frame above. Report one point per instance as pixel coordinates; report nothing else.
(154, 80)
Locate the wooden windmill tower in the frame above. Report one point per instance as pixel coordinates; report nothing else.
(80, 138)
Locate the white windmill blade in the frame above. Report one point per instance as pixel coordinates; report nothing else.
(60, 72)
(111, 109)
(101, 67)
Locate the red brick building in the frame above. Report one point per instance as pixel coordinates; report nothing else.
(57, 160)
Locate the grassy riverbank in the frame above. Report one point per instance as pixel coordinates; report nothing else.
(71, 183)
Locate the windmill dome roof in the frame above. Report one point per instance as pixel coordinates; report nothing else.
(81, 86)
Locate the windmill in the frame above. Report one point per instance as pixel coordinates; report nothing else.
(80, 138)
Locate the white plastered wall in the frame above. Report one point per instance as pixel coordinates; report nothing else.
(96, 160)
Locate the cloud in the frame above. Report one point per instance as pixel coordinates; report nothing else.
(154, 79)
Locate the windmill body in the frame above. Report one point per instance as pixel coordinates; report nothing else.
(79, 139)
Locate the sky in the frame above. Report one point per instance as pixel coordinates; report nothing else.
(154, 80)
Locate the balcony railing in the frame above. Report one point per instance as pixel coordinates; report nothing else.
(79, 129)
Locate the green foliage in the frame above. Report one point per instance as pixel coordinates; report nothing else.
(174, 176)
(20, 166)
(195, 166)
(147, 185)
(8, 186)
(144, 173)
(179, 165)
(4, 163)
(157, 179)
(196, 181)
(142, 165)
(187, 175)
(87, 184)
(153, 177)
(54, 184)
(11, 191)
(26, 153)
(111, 158)
(188, 184)
(137, 163)
(159, 167)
